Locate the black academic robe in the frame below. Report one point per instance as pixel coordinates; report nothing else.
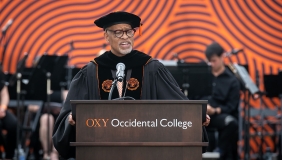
(158, 84)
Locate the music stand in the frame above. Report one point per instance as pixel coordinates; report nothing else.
(232, 69)
(273, 88)
(37, 81)
(244, 77)
(11, 85)
(195, 79)
(250, 89)
(57, 75)
(20, 68)
(272, 85)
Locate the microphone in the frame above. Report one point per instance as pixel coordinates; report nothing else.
(7, 25)
(257, 78)
(120, 71)
(178, 59)
(176, 56)
(71, 45)
(234, 52)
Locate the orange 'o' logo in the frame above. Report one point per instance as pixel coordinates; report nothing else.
(133, 84)
(106, 85)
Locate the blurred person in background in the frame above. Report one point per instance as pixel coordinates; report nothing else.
(57, 98)
(103, 50)
(8, 120)
(223, 104)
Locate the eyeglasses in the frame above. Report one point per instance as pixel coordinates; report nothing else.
(119, 33)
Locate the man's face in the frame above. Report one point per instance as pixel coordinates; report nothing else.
(122, 45)
(216, 62)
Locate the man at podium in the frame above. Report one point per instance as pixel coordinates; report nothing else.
(143, 77)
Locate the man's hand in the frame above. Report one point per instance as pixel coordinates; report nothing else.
(2, 113)
(218, 110)
(207, 122)
(33, 108)
(71, 121)
(210, 110)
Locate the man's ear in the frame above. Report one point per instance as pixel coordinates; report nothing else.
(222, 56)
(106, 36)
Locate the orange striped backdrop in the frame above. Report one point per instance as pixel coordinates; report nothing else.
(170, 26)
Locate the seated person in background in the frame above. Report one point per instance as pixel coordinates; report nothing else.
(8, 120)
(57, 97)
(223, 103)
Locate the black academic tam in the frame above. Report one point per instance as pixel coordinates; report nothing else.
(118, 18)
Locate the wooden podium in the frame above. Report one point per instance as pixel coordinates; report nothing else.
(138, 130)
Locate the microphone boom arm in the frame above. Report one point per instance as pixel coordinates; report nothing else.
(114, 84)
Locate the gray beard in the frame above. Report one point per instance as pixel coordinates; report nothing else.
(125, 51)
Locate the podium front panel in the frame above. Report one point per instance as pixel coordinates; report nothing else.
(138, 121)
(113, 126)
